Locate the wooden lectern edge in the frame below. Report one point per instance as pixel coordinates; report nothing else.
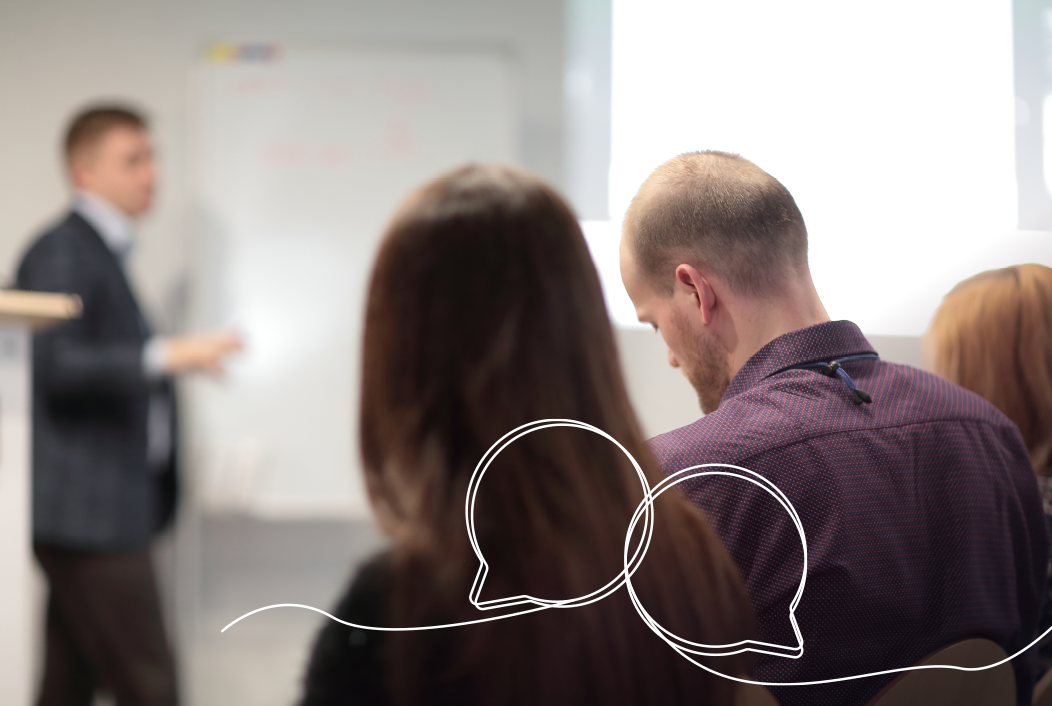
(38, 310)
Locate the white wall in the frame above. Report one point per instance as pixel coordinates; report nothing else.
(55, 55)
(663, 398)
(902, 161)
(586, 85)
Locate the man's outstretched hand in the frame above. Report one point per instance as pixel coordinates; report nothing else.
(205, 352)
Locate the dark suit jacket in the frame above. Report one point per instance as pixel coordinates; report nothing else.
(92, 488)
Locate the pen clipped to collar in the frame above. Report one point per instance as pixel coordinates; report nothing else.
(834, 369)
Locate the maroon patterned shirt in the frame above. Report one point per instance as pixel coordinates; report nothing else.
(923, 519)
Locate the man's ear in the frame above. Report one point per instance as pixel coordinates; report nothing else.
(692, 283)
(78, 169)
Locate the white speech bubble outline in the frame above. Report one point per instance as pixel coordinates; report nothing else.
(790, 652)
(469, 517)
(646, 506)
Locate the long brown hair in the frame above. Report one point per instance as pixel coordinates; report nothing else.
(485, 313)
(993, 335)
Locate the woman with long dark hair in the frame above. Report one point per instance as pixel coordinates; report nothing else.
(485, 313)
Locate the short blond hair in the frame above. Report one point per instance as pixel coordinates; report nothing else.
(993, 335)
(720, 210)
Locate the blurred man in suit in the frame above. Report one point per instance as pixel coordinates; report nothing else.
(104, 476)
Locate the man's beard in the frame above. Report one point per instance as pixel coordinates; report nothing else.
(704, 364)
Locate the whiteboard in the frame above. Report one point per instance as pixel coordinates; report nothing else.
(301, 158)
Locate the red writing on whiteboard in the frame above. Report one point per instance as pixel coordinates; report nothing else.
(297, 153)
(398, 143)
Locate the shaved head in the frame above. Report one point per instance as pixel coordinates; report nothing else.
(720, 212)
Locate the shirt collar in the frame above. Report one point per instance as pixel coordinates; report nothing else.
(115, 228)
(821, 342)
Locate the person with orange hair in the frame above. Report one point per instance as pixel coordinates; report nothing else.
(993, 335)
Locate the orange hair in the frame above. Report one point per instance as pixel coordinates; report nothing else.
(993, 335)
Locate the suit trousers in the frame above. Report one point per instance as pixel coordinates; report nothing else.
(105, 631)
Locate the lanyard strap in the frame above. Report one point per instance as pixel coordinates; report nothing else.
(833, 369)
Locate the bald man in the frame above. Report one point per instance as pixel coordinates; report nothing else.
(922, 516)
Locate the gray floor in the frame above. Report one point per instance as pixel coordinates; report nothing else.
(244, 564)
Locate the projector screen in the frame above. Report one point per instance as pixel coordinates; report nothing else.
(892, 125)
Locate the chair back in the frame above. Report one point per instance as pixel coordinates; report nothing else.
(922, 687)
(1043, 690)
(753, 695)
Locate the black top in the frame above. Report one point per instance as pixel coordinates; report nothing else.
(353, 667)
(1044, 482)
(92, 488)
(347, 664)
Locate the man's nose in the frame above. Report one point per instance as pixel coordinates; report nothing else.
(672, 359)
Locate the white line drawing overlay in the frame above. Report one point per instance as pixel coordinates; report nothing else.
(644, 511)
